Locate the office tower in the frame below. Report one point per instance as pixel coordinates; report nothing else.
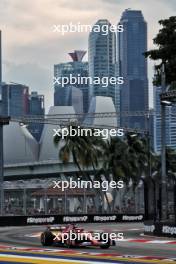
(36, 108)
(131, 44)
(170, 123)
(69, 96)
(75, 68)
(14, 99)
(0, 60)
(102, 61)
(0, 74)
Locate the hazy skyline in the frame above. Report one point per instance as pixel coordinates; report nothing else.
(30, 48)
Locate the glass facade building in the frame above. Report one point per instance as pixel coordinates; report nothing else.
(36, 107)
(170, 123)
(131, 44)
(69, 96)
(102, 61)
(15, 99)
(0, 60)
(75, 68)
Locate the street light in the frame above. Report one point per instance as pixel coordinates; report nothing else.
(166, 103)
(163, 183)
(167, 98)
(145, 184)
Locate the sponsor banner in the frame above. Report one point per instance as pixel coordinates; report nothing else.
(75, 219)
(64, 219)
(41, 220)
(130, 218)
(169, 230)
(160, 229)
(106, 218)
(149, 228)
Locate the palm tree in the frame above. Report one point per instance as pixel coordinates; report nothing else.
(117, 165)
(140, 156)
(84, 150)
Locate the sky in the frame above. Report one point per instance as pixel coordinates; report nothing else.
(30, 48)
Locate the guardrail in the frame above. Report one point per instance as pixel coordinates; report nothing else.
(65, 219)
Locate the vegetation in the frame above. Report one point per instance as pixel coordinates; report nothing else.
(115, 159)
(165, 52)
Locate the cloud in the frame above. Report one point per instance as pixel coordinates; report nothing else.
(30, 46)
(170, 3)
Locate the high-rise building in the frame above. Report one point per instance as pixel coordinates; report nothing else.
(76, 68)
(0, 60)
(170, 120)
(102, 61)
(0, 74)
(36, 108)
(132, 65)
(69, 96)
(14, 99)
(36, 104)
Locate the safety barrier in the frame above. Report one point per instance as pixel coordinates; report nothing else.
(64, 219)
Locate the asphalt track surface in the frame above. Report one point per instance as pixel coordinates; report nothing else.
(28, 236)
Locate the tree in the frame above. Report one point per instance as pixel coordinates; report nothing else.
(165, 52)
(86, 152)
(126, 159)
(80, 148)
(138, 156)
(146, 168)
(115, 162)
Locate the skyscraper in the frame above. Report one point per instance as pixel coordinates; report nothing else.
(131, 44)
(14, 99)
(0, 75)
(36, 107)
(102, 60)
(0, 60)
(170, 122)
(75, 68)
(69, 96)
(36, 104)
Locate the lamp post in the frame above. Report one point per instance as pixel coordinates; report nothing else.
(145, 184)
(149, 160)
(167, 99)
(164, 196)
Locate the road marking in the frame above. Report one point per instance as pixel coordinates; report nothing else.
(160, 242)
(146, 241)
(47, 260)
(50, 260)
(82, 257)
